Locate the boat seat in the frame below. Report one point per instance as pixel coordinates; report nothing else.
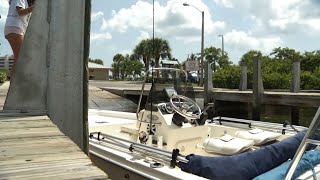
(227, 145)
(258, 136)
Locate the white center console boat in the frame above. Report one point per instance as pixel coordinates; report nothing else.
(151, 143)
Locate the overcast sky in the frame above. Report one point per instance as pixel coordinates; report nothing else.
(118, 25)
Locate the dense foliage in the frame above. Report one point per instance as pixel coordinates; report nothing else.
(276, 70)
(276, 66)
(148, 49)
(97, 61)
(217, 58)
(3, 76)
(132, 66)
(228, 77)
(126, 66)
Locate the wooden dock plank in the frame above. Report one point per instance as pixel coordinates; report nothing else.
(37, 149)
(25, 124)
(58, 175)
(24, 118)
(29, 133)
(35, 158)
(27, 141)
(34, 148)
(70, 170)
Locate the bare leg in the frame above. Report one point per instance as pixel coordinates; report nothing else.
(15, 41)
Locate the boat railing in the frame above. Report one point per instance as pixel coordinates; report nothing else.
(314, 126)
(283, 128)
(170, 157)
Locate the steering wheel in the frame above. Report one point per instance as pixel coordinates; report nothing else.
(183, 106)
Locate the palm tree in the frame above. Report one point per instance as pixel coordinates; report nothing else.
(116, 65)
(149, 48)
(193, 57)
(220, 59)
(142, 52)
(161, 49)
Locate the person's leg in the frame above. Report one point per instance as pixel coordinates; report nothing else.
(15, 41)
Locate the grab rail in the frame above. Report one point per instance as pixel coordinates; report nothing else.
(174, 155)
(315, 124)
(258, 124)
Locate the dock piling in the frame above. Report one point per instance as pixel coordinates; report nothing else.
(257, 88)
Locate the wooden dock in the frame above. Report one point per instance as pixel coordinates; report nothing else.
(32, 147)
(304, 99)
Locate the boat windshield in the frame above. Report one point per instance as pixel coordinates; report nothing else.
(164, 82)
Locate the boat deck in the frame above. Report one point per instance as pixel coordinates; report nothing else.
(32, 147)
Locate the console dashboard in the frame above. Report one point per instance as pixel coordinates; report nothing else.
(165, 108)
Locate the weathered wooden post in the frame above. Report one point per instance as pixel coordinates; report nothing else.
(244, 76)
(295, 84)
(207, 83)
(295, 88)
(257, 88)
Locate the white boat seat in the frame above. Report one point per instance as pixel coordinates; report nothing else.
(258, 136)
(227, 145)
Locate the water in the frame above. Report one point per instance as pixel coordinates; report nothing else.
(269, 113)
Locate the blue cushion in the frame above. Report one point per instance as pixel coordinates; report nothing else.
(246, 165)
(307, 162)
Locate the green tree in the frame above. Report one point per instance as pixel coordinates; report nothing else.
(97, 61)
(143, 52)
(316, 73)
(221, 59)
(310, 61)
(276, 70)
(161, 50)
(194, 57)
(117, 65)
(247, 58)
(228, 77)
(285, 54)
(149, 48)
(134, 66)
(310, 80)
(126, 65)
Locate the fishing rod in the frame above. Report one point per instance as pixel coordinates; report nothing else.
(152, 74)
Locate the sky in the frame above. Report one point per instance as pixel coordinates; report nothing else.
(118, 26)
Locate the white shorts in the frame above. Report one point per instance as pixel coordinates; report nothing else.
(13, 29)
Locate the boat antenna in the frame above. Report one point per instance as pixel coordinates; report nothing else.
(152, 75)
